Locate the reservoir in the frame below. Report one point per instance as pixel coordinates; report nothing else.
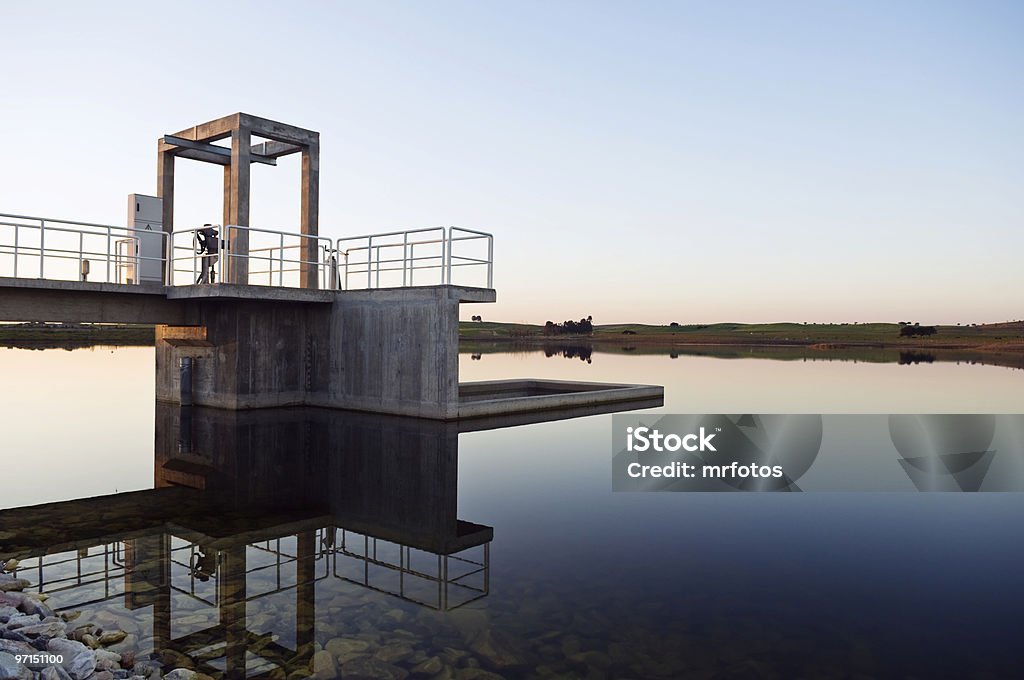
(562, 578)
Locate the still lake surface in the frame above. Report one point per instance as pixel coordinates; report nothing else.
(576, 582)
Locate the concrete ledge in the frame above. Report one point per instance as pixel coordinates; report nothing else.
(232, 291)
(504, 397)
(82, 286)
(454, 293)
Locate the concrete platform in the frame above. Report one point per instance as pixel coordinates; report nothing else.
(504, 397)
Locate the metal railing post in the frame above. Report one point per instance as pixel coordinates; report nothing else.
(405, 256)
(42, 243)
(15, 251)
(451, 246)
(490, 262)
(369, 260)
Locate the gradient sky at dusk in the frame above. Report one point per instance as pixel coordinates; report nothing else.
(636, 161)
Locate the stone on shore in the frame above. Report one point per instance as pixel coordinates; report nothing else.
(9, 583)
(79, 660)
(11, 669)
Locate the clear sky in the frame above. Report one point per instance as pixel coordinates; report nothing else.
(636, 161)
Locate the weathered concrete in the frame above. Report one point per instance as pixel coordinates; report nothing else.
(88, 302)
(195, 143)
(387, 351)
(498, 397)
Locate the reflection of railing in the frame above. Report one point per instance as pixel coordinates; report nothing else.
(77, 573)
(369, 567)
(274, 258)
(395, 258)
(44, 248)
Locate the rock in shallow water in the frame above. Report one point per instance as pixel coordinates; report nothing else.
(431, 666)
(371, 669)
(323, 666)
(8, 583)
(181, 674)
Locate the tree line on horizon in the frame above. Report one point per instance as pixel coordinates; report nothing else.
(581, 327)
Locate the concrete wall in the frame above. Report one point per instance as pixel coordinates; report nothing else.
(388, 351)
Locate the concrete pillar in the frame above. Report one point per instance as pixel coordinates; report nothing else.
(309, 219)
(226, 219)
(305, 590)
(232, 608)
(165, 188)
(235, 262)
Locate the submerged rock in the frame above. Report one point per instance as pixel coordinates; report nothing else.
(371, 669)
(9, 583)
(497, 649)
(323, 666)
(347, 649)
(394, 653)
(477, 674)
(181, 674)
(112, 638)
(431, 666)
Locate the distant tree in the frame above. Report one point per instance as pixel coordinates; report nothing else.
(569, 327)
(674, 324)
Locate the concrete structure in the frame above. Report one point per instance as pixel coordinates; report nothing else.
(384, 350)
(280, 139)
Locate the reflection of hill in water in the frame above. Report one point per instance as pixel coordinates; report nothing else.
(894, 355)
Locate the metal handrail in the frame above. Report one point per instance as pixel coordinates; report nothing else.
(275, 263)
(36, 248)
(377, 257)
(373, 258)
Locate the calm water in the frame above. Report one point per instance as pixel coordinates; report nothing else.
(575, 582)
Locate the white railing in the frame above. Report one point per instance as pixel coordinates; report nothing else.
(275, 258)
(45, 248)
(416, 257)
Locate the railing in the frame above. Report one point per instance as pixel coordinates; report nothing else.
(44, 248)
(279, 258)
(442, 582)
(394, 259)
(35, 247)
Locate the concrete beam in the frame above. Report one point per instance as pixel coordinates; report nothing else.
(279, 132)
(212, 131)
(275, 149)
(204, 151)
(87, 302)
